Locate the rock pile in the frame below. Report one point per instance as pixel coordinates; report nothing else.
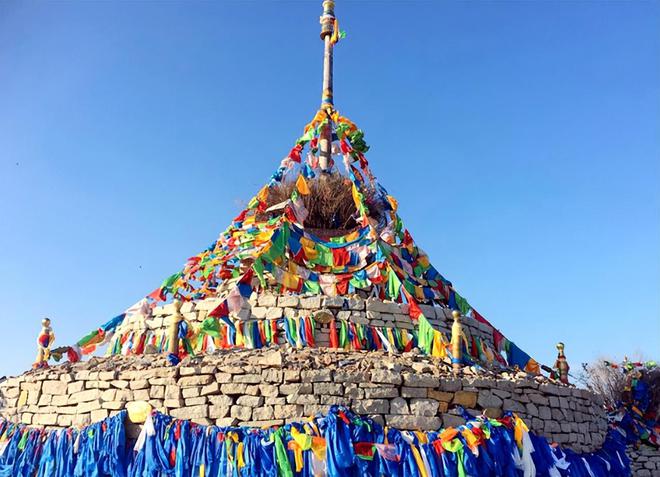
(278, 385)
(645, 461)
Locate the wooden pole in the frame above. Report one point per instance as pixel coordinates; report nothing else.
(327, 104)
(327, 30)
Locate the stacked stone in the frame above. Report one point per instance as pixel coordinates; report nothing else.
(273, 387)
(645, 461)
(370, 311)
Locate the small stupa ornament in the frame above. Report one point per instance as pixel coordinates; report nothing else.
(561, 365)
(456, 342)
(173, 335)
(44, 342)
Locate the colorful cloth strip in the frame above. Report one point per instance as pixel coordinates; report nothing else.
(338, 444)
(299, 332)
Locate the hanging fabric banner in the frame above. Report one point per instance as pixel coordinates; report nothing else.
(336, 444)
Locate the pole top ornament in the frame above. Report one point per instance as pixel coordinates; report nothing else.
(327, 20)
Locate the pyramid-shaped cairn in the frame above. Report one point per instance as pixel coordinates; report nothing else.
(332, 233)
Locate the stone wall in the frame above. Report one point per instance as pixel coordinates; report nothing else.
(645, 461)
(280, 385)
(370, 311)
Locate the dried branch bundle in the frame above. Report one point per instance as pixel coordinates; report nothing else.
(610, 383)
(330, 203)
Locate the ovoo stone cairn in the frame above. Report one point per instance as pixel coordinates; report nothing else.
(316, 295)
(271, 387)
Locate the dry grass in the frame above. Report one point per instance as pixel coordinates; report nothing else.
(330, 203)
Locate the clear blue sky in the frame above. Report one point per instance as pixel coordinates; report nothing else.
(522, 140)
